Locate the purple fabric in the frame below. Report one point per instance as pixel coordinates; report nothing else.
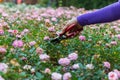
(103, 15)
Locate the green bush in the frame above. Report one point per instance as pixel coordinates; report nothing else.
(89, 4)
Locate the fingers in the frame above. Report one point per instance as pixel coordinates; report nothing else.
(72, 35)
(68, 29)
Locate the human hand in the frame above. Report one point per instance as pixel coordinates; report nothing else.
(71, 29)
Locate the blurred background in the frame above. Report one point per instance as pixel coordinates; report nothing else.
(87, 4)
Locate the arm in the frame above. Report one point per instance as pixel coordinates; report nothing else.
(103, 15)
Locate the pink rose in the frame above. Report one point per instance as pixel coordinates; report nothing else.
(44, 57)
(47, 70)
(39, 50)
(1, 32)
(3, 67)
(118, 36)
(113, 43)
(73, 56)
(75, 66)
(112, 76)
(67, 76)
(82, 38)
(18, 43)
(1, 78)
(51, 29)
(32, 43)
(64, 61)
(54, 19)
(117, 72)
(46, 38)
(106, 64)
(56, 76)
(2, 50)
(89, 66)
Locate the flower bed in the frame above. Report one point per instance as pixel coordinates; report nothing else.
(27, 54)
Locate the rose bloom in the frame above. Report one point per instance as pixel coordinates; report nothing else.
(1, 32)
(112, 76)
(44, 57)
(73, 56)
(47, 70)
(64, 61)
(1, 78)
(3, 67)
(75, 66)
(113, 43)
(106, 64)
(39, 50)
(47, 20)
(27, 67)
(89, 66)
(46, 38)
(13, 31)
(67, 76)
(32, 70)
(18, 43)
(54, 19)
(118, 36)
(32, 43)
(117, 72)
(2, 50)
(56, 76)
(82, 38)
(51, 29)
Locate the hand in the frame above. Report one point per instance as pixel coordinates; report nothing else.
(72, 29)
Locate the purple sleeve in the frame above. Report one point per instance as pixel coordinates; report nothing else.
(103, 15)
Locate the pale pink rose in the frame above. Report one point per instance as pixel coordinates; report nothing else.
(1, 78)
(51, 29)
(69, 16)
(112, 76)
(75, 66)
(64, 61)
(56, 76)
(1, 32)
(13, 31)
(117, 72)
(3, 67)
(2, 50)
(82, 38)
(113, 43)
(67, 76)
(54, 19)
(46, 38)
(44, 57)
(18, 36)
(118, 36)
(32, 43)
(26, 30)
(47, 20)
(89, 66)
(39, 50)
(114, 27)
(32, 70)
(10, 31)
(106, 64)
(4, 14)
(24, 58)
(18, 43)
(73, 56)
(47, 70)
